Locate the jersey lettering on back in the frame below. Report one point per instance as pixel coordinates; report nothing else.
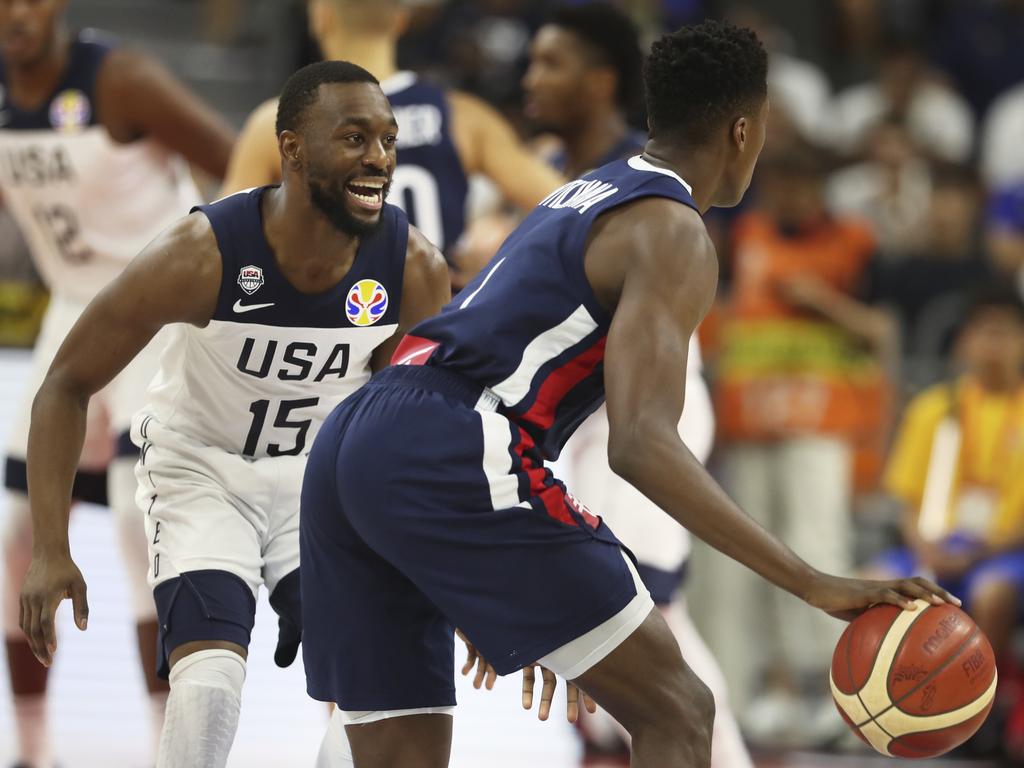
(529, 326)
(429, 183)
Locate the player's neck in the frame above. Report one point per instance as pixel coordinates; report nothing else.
(29, 85)
(592, 140)
(703, 169)
(376, 55)
(311, 252)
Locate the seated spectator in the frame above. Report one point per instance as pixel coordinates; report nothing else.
(957, 467)
(936, 117)
(891, 188)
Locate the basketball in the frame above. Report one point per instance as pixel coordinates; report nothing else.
(913, 683)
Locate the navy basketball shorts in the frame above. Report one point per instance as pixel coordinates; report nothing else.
(423, 509)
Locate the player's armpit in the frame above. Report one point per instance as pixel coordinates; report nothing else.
(426, 287)
(487, 144)
(255, 160)
(137, 96)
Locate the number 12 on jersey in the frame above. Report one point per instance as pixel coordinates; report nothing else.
(259, 409)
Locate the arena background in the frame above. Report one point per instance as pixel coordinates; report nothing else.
(235, 53)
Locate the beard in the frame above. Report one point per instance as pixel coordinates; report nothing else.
(332, 201)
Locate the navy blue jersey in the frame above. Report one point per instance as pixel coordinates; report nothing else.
(262, 375)
(529, 326)
(429, 183)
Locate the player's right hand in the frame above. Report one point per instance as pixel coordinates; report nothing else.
(846, 599)
(49, 580)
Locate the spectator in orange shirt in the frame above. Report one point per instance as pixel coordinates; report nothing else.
(798, 386)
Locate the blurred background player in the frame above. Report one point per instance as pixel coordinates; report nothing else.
(96, 142)
(446, 135)
(963, 502)
(582, 85)
(325, 279)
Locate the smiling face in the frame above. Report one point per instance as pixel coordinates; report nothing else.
(347, 149)
(28, 29)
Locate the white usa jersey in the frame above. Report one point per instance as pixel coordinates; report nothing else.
(85, 204)
(260, 378)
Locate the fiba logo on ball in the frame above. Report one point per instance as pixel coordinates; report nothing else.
(70, 110)
(914, 683)
(366, 303)
(250, 279)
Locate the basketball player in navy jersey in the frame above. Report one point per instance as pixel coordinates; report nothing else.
(426, 503)
(284, 299)
(95, 142)
(584, 73)
(446, 135)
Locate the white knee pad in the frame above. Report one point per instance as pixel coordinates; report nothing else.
(214, 668)
(131, 531)
(17, 554)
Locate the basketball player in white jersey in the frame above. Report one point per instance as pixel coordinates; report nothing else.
(446, 135)
(95, 142)
(283, 300)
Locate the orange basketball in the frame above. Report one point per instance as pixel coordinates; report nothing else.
(913, 683)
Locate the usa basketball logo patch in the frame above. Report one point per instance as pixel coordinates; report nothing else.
(366, 303)
(250, 279)
(70, 110)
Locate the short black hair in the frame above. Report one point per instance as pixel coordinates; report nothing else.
(992, 296)
(613, 37)
(701, 75)
(301, 89)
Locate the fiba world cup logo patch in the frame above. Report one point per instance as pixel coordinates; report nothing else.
(70, 110)
(250, 279)
(366, 303)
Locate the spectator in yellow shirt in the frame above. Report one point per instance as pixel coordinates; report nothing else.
(958, 468)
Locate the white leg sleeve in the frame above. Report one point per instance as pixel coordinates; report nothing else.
(335, 751)
(202, 710)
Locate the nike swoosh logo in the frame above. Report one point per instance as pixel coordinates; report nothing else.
(240, 307)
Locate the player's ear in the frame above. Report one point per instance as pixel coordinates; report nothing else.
(739, 133)
(290, 147)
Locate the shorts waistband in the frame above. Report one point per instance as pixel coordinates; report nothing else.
(440, 380)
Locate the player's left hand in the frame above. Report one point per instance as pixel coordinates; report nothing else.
(485, 673)
(547, 693)
(846, 599)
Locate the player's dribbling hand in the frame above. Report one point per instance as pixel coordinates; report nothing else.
(547, 693)
(48, 581)
(485, 673)
(847, 598)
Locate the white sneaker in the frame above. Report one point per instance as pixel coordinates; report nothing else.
(776, 719)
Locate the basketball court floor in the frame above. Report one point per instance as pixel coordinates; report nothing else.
(99, 709)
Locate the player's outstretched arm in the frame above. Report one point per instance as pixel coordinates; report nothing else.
(255, 159)
(487, 144)
(139, 97)
(176, 278)
(426, 287)
(653, 264)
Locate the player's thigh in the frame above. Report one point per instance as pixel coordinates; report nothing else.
(372, 641)
(644, 682)
(408, 740)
